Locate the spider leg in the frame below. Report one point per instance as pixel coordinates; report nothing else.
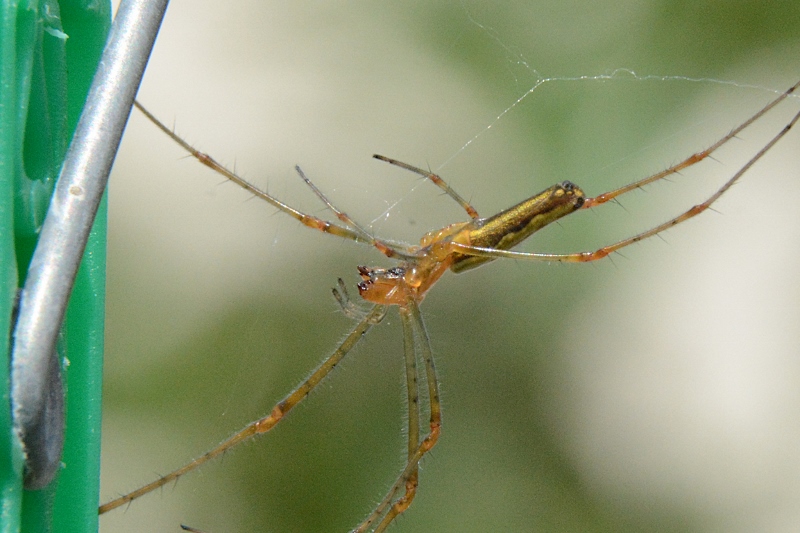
(412, 384)
(364, 235)
(268, 422)
(439, 182)
(412, 390)
(413, 326)
(692, 159)
(358, 234)
(600, 253)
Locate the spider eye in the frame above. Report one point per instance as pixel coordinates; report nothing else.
(396, 272)
(568, 186)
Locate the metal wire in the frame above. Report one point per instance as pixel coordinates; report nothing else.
(66, 230)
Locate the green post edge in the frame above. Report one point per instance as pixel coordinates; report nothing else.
(48, 55)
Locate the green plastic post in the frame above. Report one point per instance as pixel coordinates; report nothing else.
(48, 54)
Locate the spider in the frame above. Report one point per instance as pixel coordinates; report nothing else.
(458, 247)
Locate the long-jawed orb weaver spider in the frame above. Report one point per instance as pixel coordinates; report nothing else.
(457, 247)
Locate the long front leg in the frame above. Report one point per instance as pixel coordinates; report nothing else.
(263, 425)
(357, 234)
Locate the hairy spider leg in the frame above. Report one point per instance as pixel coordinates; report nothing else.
(342, 216)
(600, 253)
(439, 182)
(413, 326)
(358, 234)
(281, 409)
(699, 156)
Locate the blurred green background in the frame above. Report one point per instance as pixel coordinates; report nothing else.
(658, 391)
